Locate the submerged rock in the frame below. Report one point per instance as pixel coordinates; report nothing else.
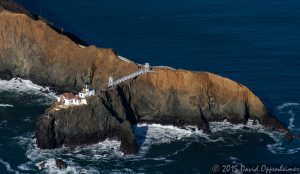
(60, 164)
(42, 165)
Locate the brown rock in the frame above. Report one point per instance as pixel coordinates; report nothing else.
(14, 7)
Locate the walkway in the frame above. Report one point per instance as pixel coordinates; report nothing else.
(111, 82)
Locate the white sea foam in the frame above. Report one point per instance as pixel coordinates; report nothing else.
(284, 105)
(50, 167)
(228, 127)
(6, 105)
(151, 134)
(288, 108)
(27, 119)
(281, 148)
(291, 125)
(233, 159)
(18, 85)
(284, 147)
(8, 167)
(147, 136)
(157, 133)
(103, 150)
(24, 167)
(21, 86)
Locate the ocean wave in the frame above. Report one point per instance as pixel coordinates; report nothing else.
(4, 125)
(101, 151)
(50, 167)
(157, 133)
(147, 135)
(8, 167)
(106, 151)
(284, 105)
(152, 134)
(26, 87)
(27, 119)
(282, 146)
(291, 125)
(230, 128)
(233, 159)
(6, 105)
(289, 109)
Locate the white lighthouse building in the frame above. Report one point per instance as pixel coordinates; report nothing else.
(71, 99)
(86, 92)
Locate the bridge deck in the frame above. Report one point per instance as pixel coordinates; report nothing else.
(130, 76)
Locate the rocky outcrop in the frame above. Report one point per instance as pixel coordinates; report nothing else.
(14, 7)
(32, 49)
(83, 125)
(60, 164)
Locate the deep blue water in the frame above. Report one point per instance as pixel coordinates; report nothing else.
(254, 42)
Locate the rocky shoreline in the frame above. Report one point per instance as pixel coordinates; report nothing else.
(33, 49)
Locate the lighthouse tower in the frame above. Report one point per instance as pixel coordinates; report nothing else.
(110, 81)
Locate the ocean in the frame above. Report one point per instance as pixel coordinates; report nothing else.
(253, 42)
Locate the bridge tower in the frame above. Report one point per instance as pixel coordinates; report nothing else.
(110, 81)
(147, 66)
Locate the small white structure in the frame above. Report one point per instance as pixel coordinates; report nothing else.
(71, 99)
(86, 92)
(59, 99)
(147, 67)
(66, 98)
(110, 81)
(81, 46)
(77, 100)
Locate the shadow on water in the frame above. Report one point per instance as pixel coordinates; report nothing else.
(140, 134)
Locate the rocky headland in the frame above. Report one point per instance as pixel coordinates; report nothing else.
(31, 48)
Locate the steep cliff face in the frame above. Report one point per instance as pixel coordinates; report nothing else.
(32, 49)
(192, 98)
